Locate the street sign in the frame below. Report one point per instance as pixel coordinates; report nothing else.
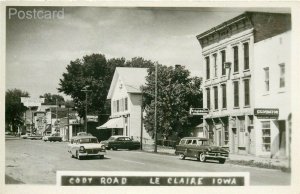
(266, 113)
(30, 101)
(92, 118)
(198, 111)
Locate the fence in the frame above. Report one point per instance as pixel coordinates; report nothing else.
(167, 143)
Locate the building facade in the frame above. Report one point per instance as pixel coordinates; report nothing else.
(232, 59)
(126, 98)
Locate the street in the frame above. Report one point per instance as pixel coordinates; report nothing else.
(36, 162)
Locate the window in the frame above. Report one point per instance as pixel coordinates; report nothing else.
(208, 98)
(236, 93)
(247, 92)
(224, 100)
(235, 59)
(216, 97)
(226, 135)
(118, 105)
(282, 75)
(267, 82)
(126, 103)
(215, 65)
(246, 56)
(207, 68)
(266, 136)
(182, 141)
(223, 62)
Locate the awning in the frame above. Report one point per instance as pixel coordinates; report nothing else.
(112, 123)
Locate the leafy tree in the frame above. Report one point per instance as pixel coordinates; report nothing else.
(14, 109)
(52, 99)
(177, 92)
(94, 72)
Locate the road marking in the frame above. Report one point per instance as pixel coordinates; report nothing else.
(133, 162)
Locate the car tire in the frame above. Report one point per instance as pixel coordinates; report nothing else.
(114, 148)
(101, 157)
(181, 156)
(202, 157)
(78, 157)
(222, 161)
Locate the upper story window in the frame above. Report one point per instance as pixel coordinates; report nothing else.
(247, 91)
(118, 105)
(223, 54)
(215, 65)
(224, 100)
(236, 93)
(208, 98)
(126, 103)
(207, 67)
(235, 59)
(246, 56)
(216, 97)
(267, 81)
(282, 75)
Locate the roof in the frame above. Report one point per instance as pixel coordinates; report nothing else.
(132, 78)
(199, 138)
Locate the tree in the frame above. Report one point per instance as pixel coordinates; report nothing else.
(96, 72)
(177, 92)
(52, 99)
(14, 109)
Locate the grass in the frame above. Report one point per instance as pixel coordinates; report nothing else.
(252, 163)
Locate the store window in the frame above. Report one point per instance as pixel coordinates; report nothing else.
(282, 75)
(226, 135)
(235, 59)
(266, 136)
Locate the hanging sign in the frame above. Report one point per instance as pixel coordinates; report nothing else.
(266, 113)
(198, 111)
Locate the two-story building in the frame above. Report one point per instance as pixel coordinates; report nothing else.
(233, 54)
(126, 98)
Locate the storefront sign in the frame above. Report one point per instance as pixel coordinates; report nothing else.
(198, 111)
(92, 118)
(29, 101)
(266, 113)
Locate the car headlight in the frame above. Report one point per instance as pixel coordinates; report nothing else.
(103, 147)
(81, 148)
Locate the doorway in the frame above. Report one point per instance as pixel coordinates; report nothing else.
(282, 137)
(234, 140)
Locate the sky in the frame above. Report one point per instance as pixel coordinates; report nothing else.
(39, 50)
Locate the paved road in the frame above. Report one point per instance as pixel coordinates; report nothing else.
(36, 162)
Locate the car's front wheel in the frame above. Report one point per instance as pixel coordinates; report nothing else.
(181, 156)
(202, 157)
(78, 156)
(222, 161)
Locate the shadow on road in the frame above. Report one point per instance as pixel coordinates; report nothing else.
(10, 180)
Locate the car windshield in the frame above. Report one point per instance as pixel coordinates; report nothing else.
(88, 140)
(112, 138)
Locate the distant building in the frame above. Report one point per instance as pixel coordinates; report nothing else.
(242, 58)
(125, 96)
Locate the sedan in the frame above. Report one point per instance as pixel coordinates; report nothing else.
(53, 137)
(121, 142)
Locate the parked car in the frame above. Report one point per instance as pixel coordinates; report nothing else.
(34, 137)
(25, 136)
(121, 142)
(83, 146)
(53, 137)
(200, 148)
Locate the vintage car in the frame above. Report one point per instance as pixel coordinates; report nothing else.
(35, 137)
(83, 146)
(121, 142)
(25, 136)
(53, 137)
(200, 148)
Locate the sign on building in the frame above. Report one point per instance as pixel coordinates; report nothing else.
(92, 118)
(198, 111)
(266, 113)
(29, 101)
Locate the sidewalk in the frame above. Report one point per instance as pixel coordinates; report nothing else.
(245, 160)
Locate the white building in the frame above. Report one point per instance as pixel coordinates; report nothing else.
(235, 56)
(126, 99)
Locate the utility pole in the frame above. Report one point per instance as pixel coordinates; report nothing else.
(155, 111)
(56, 115)
(141, 123)
(68, 132)
(85, 89)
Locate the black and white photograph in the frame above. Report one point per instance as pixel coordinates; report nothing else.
(148, 96)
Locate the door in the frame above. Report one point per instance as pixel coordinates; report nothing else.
(251, 146)
(282, 138)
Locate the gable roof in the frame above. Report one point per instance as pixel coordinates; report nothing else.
(132, 78)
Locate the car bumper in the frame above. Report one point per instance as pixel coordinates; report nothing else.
(92, 154)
